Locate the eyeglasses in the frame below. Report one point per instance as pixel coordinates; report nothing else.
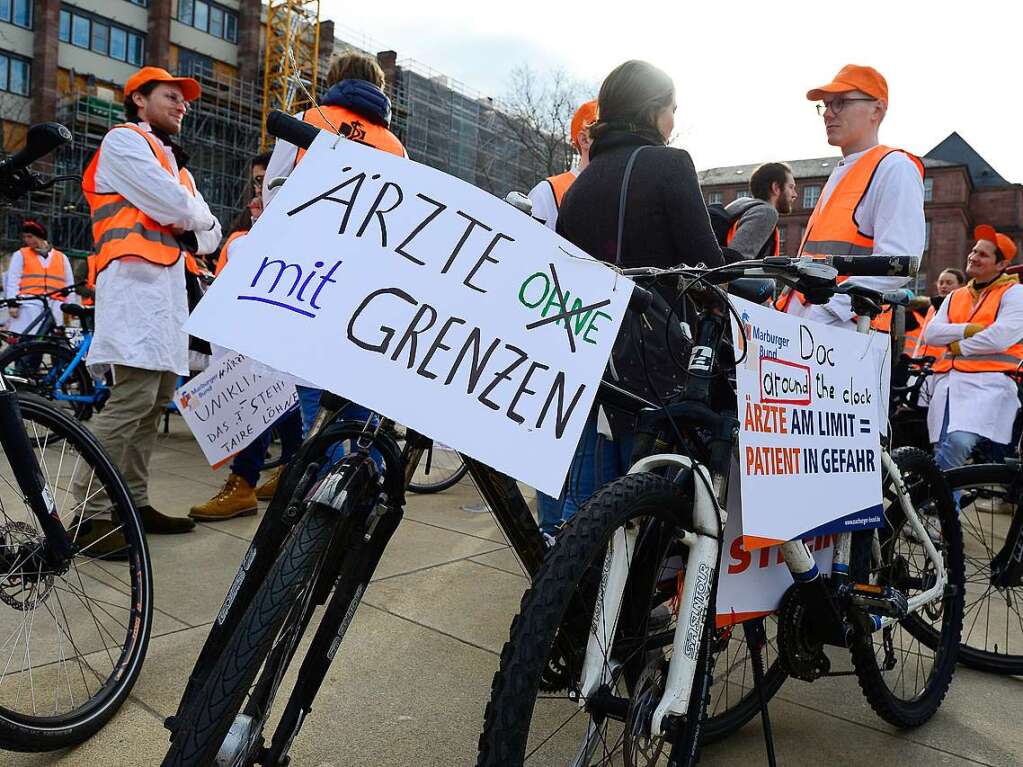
(837, 105)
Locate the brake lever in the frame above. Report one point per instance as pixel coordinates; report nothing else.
(38, 185)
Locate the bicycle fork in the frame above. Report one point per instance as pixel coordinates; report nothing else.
(704, 551)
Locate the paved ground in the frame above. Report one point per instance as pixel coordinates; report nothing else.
(411, 682)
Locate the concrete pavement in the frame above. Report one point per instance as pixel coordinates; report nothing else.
(412, 678)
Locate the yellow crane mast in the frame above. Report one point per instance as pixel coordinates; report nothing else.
(291, 54)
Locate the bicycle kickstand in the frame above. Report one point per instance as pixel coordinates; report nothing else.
(756, 640)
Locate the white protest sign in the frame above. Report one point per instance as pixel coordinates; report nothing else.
(752, 583)
(809, 398)
(231, 403)
(425, 299)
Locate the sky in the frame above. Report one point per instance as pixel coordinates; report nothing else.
(741, 69)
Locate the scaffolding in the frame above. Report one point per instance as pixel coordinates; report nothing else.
(458, 130)
(291, 55)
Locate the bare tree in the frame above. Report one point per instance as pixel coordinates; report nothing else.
(533, 125)
(539, 109)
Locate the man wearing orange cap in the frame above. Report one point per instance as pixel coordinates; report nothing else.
(981, 323)
(873, 202)
(547, 195)
(146, 213)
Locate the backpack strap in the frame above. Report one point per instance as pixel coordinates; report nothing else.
(622, 199)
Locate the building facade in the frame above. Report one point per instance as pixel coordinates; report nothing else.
(68, 60)
(961, 190)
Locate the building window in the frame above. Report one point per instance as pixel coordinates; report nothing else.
(17, 12)
(14, 74)
(928, 189)
(83, 30)
(927, 236)
(742, 194)
(209, 17)
(194, 64)
(781, 239)
(143, 3)
(714, 198)
(810, 196)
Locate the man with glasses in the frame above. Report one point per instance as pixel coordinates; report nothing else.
(873, 202)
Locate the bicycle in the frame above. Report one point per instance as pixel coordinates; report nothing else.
(74, 628)
(44, 324)
(626, 590)
(54, 367)
(318, 544)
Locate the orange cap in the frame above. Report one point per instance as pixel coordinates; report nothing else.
(1003, 242)
(189, 88)
(853, 77)
(584, 117)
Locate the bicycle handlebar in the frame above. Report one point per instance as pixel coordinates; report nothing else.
(290, 129)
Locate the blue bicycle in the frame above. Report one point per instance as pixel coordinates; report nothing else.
(53, 367)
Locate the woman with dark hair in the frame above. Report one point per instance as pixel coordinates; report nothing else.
(664, 224)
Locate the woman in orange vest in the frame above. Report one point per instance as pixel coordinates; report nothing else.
(34, 270)
(548, 194)
(948, 281)
(354, 105)
(873, 202)
(981, 325)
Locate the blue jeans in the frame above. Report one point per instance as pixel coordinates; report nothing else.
(247, 463)
(597, 461)
(953, 448)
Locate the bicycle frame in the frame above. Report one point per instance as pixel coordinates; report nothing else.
(704, 544)
(100, 386)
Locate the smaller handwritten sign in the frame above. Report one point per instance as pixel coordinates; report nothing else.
(231, 403)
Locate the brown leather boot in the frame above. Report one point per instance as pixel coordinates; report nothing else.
(266, 491)
(99, 538)
(236, 499)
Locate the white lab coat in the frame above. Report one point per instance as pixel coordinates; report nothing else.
(141, 307)
(892, 212)
(30, 310)
(979, 403)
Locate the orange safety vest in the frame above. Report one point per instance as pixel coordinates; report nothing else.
(776, 251)
(222, 260)
(832, 229)
(963, 309)
(921, 349)
(90, 279)
(37, 279)
(559, 185)
(359, 129)
(119, 228)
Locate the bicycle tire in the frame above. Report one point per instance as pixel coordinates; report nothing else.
(929, 493)
(546, 604)
(999, 480)
(214, 708)
(53, 428)
(62, 356)
(427, 487)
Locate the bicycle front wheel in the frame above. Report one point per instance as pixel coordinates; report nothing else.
(991, 516)
(439, 469)
(72, 640)
(273, 622)
(538, 714)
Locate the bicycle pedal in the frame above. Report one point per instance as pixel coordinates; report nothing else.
(880, 600)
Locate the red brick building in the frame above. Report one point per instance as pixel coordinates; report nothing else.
(961, 190)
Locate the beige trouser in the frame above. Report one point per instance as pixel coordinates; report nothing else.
(126, 427)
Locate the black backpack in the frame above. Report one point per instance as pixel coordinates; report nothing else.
(721, 221)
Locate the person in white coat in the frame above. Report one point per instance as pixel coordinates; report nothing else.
(147, 219)
(982, 325)
(47, 270)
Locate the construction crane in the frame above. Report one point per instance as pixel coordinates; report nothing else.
(292, 52)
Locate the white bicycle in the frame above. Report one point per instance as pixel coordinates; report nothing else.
(611, 658)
